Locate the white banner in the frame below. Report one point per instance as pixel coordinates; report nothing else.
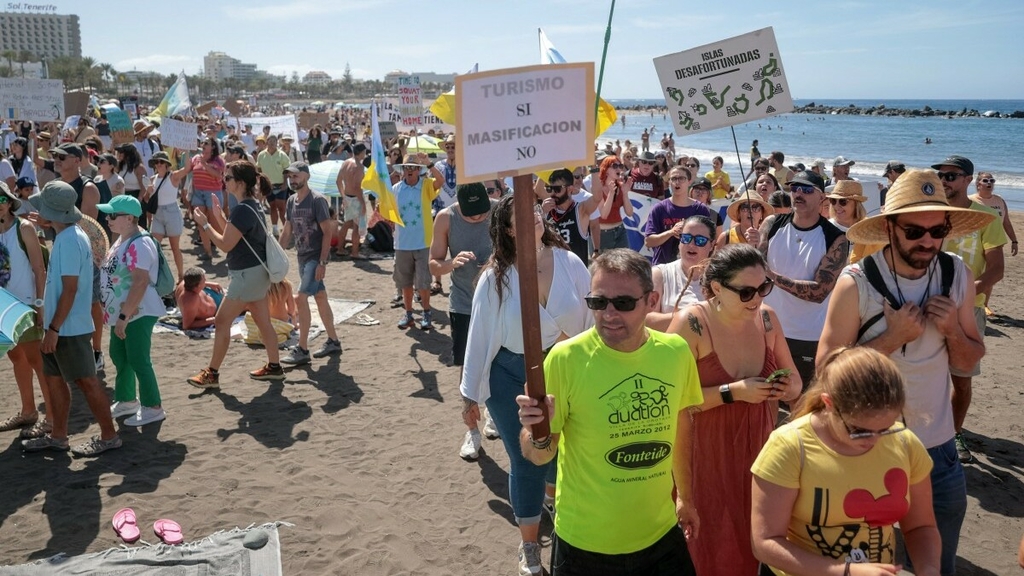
(724, 83)
(410, 100)
(38, 100)
(180, 135)
(279, 125)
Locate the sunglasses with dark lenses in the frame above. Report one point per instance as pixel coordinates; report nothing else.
(618, 166)
(917, 232)
(691, 165)
(840, 201)
(577, 176)
(858, 433)
(700, 241)
(621, 303)
(746, 293)
(949, 176)
(803, 189)
(491, 190)
(647, 162)
(751, 206)
(987, 180)
(761, 169)
(228, 178)
(555, 188)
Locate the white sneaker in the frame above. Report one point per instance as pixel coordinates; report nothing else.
(471, 445)
(549, 506)
(146, 415)
(529, 559)
(118, 409)
(490, 431)
(99, 360)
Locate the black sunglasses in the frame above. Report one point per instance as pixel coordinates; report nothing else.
(950, 176)
(746, 293)
(803, 189)
(691, 165)
(621, 303)
(917, 232)
(858, 433)
(840, 201)
(555, 188)
(491, 190)
(578, 176)
(647, 162)
(618, 166)
(700, 241)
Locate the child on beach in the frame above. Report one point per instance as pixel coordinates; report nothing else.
(283, 312)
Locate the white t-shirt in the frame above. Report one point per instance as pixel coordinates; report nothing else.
(673, 283)
(6, 170)
(22, 282)
(115, 278)
(796, 254)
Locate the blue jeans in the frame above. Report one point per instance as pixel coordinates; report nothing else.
(525, 479)
(614, 238)
(949, 500)
(308, 284)
(667, 556)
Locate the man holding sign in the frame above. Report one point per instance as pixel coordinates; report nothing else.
(618, 395)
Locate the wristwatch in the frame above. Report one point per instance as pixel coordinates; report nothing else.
(38, 303)
(726, 394)
(324, 262)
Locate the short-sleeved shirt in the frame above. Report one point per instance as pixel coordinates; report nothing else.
(70, 255)
(417, 230)
(617, 414)
(973, 246)
(305, 218)
(116, 278)
(650, 185)
(273, 165)
(201, 179)
(846, 505)
(663, 216)
(719, 191)
(253, 229)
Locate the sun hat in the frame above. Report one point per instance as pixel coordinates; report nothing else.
(917, 191)
(160, 156)
(807, 178)
(11, 197)
(959, 161)
(646, 156)
(849, 190)
(473, 199)
(734, 208)
(56, 202)
(123, 204)
(141, 126)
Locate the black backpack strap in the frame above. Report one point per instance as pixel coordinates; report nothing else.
(874, 276)
(946, 269)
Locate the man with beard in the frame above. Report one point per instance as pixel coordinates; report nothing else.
(805, 254)
(982, 252)
(665, 220)
(915, 303)
(571, 219)
(642, 178)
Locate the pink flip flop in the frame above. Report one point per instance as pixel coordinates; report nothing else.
(168, 531)
(125, 525)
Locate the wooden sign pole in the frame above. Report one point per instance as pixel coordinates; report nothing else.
(526, 261)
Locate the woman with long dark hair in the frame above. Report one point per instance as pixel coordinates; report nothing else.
(495, 368)
(314, 143)
(21, 162)
(133, 172)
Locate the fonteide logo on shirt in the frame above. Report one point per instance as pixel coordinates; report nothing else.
(638, 455)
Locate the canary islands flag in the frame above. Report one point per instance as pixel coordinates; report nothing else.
(376, 179)
(444, 106)
(606, 115)
(176, 101)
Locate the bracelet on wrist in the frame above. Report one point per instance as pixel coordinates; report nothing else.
(541, 444)
(51, 328)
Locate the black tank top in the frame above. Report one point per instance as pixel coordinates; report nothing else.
(568, 226)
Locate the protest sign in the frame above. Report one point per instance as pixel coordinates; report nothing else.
(724, 83)
(120, 125)
(410, 100)
(388, 130)
(38, 100)
(388, 111)
(71, 123)
(523, 120)
(309, 119)
(76, 103)
(131, 109)
(204, 108)
(181, 135)
(233, 106)
(279, 125)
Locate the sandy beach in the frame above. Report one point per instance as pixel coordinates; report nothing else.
(360, 453)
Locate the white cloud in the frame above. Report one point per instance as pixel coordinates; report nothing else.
(163, 63)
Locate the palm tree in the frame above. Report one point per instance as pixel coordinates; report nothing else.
(107, 74)
(10, 55)
(25, 56)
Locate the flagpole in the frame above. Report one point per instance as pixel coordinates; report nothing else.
(604, 56)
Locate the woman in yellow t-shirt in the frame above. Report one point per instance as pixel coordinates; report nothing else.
(829, 485)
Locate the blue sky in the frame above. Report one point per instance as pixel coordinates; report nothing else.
(879, 49)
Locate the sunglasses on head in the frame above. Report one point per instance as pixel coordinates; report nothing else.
(746, 293)
(987, 180)
(803, 189)
(700, 241)
(621, 303)
(840, 201)
(913, 232)
(555, 188)
(950, 176)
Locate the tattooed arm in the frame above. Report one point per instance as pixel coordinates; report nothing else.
(766, 225)
(818, 288)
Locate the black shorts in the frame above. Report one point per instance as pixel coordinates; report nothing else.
(460, 335)
(667, 556)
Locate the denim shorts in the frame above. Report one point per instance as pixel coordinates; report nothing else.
(204, 198)
(167, 221)
(308, 284)
(249, 284)
(280, 193)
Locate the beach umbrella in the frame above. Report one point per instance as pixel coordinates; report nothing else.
(15, 318)
(323, 177)
(425, 144)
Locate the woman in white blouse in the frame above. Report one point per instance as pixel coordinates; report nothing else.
(495, 370)
(676, 279)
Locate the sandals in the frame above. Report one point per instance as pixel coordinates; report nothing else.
(435, 287)
(37, 430)
(127, 528)
(18, 421)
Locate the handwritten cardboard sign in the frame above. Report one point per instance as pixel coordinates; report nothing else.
(524, 120)
(26, 99)
(120, 124)
(410, 99)
(724, 83)
(309, 119)
(181, 135)
(76, 103)
(388, 130)
(204, 108)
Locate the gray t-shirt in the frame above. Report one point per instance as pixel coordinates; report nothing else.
(253, 228)
(305, 218)
(472, 237)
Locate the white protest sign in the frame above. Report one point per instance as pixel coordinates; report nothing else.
(724, 83)
(71, 123)
(25, 99)
(410, 100)
(178, 134)
(388, 111)
(523, 120)
(279, 125)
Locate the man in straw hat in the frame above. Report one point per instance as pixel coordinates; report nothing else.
(414, 194)
(982, 252)
(926, 324)
(144, 143)
(67, 343)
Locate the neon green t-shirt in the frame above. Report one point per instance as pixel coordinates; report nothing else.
(617, 413)
(972, 247)
(846, 505)
(273, 165)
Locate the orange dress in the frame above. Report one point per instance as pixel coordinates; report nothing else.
(727, 440)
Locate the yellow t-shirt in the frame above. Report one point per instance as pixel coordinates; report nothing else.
(846, 505)
(720, 183)
(617, 414)
(973, 246)
(273, 165)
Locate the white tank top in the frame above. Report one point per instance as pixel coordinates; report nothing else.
(674, 283)
(23, 281)
(796, 254)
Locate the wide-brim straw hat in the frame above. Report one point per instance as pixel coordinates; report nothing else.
(917, 191)
(734, 208)
(849, 190)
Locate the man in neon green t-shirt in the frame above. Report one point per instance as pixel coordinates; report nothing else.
(618, 395)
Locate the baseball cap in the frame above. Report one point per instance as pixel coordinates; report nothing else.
(894, 165)
(701, 182)
(959, 161)
(473, 199)
(123, 204)
(808, 178)
(297, 167)
(842, 161)
(25, 182)
(68, 149)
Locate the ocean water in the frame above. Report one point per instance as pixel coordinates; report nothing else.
(994, 144)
